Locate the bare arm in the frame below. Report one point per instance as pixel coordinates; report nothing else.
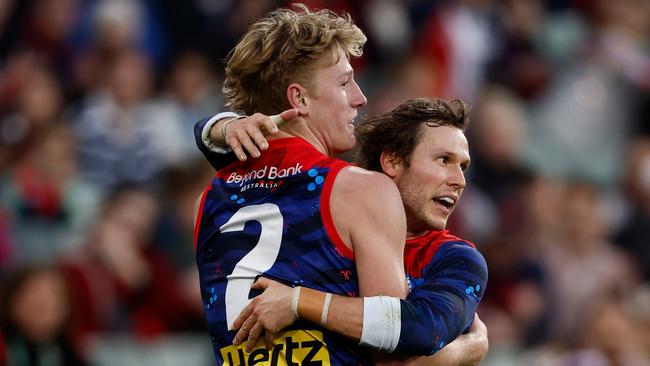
(272, 310)
(435, 313)
(369, 215)
(375, 230)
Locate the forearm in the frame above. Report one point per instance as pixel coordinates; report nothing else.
(344, 316)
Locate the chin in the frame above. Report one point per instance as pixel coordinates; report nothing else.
(345, 147)
(437, 224)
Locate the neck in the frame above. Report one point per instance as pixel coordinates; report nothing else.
(300, 128)
(413, 234)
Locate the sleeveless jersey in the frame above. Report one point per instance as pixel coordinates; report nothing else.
(270, 216)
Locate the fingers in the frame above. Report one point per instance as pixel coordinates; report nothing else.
(253, 336)
(243, 316)
(269, 125)
(244, 332)
(269, 337)
(257, 136)
(477, 324)
(247, 135)
(245, 139)
(289, 114)
(261, 284)
(236, 147)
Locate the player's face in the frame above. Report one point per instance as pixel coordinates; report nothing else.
(333, 105)
(435, 180)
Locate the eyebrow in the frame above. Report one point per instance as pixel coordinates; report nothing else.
(455, 155)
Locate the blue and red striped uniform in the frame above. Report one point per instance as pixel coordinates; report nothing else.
(447, 278)
(270, 216)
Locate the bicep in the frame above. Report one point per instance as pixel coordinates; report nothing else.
(378, 242)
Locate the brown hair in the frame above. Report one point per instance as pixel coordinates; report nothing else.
(398, 131)
(283, 48)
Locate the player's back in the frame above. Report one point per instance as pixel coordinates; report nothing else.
(271, 216)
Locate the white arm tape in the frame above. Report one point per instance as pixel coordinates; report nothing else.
(205, 133)
(382, 323)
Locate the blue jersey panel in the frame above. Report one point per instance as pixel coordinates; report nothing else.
(263, 217)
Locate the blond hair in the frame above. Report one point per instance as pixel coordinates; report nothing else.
(285, 47)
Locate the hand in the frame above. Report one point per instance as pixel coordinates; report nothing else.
(269, 312)
(466, 350)
(478, 334)
(248, 133)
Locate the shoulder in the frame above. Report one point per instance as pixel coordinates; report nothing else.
(353, 180)
(460, 248)
(460, 255)
(368, 191)
(365, 203)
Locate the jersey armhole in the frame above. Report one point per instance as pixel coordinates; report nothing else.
(326, 213)
(199, 215)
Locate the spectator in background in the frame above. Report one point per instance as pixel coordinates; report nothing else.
(175, 234)
(34, 320)
(518, 62)
(609, 336)
(121, 280)
(599, 85)
(49, 206)
(35, 102)
(498, 167)
(47, 31)
(5, 242)
(115, 127)
(191, 93)
(583, 264)
(635, 230)
(109, 28)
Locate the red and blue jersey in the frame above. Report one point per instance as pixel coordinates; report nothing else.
(447, 278)
(270, 216)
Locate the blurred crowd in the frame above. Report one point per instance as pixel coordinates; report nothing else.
(99, 171)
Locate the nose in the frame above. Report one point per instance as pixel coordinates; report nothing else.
(457, 178)
(358, 99)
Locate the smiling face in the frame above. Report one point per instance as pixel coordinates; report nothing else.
(433, 183)
(331, 105)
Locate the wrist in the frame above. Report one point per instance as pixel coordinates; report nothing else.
(224, 127)
(311, 305)
(211, 130)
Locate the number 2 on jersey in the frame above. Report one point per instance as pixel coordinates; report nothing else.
(258, 260)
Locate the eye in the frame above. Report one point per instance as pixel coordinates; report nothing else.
(444, 159)
(345, 83)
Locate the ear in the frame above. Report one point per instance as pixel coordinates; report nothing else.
(391, 164)
(297, 97)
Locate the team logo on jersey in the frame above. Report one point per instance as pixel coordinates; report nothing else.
(292, 348)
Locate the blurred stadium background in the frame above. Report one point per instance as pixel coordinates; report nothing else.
(99, 173)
